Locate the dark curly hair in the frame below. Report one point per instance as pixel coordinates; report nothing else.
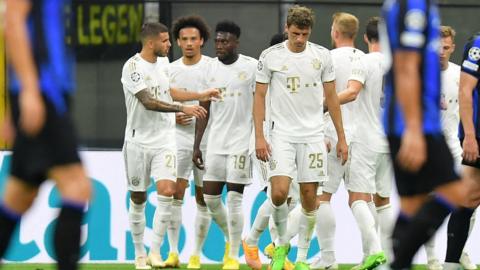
(191, 21)
(229, 27)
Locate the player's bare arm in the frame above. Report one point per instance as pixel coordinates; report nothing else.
(200, 127)
(32, 109)
(154, 104)
(182, 95)
(261, 146)
(470, 145)
(351, 92)
(333, 105)
(413, 149)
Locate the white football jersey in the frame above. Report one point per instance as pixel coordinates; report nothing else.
(449, 101)
(296, 90)
(147, 128)
(191, 78)
(230, 120)
(369, 71)
(343, 59)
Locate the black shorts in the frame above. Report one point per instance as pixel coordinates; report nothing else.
(56, 144)
(439, 168)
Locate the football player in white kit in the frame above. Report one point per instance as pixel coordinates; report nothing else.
(149, 149)
(370, 171)
(188, 72)
(227, 160)
(297, 74)
(343, 32)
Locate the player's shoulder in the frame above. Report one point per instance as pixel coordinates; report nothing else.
(454, 67)
(317, 47)
(133, 63)
(273, 50)
(247, 60)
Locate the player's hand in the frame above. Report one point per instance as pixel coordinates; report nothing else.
(197, 159)
(209, 95)
(195, 110)
(183, 119)
(32, 111)
(342, 151)
(328, 145)
(470, 149)
(413, 150)
(262, 149)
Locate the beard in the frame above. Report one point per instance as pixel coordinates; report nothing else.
(160, 53)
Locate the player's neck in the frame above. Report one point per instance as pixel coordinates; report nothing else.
(192, 60)
(230, 60)
(374, 47)
(344, 43)
(148, 56)
(445, 66)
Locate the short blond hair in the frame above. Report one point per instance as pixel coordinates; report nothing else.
(300, 16)
(347, 24)
(447, 31)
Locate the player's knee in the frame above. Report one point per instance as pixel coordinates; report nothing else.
(380, 201)
(279, 196)
(199, 199)
(138, 197)
(166, 188)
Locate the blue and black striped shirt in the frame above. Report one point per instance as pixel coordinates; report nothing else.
(413, 25)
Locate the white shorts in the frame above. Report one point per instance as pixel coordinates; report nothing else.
(259, 171)
(457, 151)
(336, 171)
(306, 159)
(233, 168)
(185, 167)
(142, 164)
(369, 171)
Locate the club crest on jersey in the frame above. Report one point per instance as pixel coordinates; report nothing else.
(474, 53)
(135, 76)
(316, 63)
(260, 65)
(273, 164)
(242, 75)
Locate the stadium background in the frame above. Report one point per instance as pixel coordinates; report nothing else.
(105, 35)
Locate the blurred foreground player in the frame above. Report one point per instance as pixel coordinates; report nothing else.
(41, 82)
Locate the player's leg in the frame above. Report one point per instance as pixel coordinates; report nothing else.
(459, 225)
(424, 215)
(360, 181)
(138, 180)
(17, 199)
(325, 227)
(164, 173)
(202, 220)
(75, 189)
(184, 169)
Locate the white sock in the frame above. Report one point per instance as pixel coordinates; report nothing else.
(161, 219)
(235, 222)
(217, 211)
(386, 221)
(366, 224)
(280, 214)
(173, 230)
(373, 211)
(306, 227)
(325, 230)
(260, 223)
(292, 205)
(293, 222)
(271, 226)
(202, 224)
(136, 218)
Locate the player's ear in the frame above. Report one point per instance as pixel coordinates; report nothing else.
(453, 47)
(365, 38)
(286, 28)
(178, 42)
(201, 42)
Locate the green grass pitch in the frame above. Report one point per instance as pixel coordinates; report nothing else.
(123, 266)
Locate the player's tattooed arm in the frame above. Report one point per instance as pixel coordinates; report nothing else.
(154, 104)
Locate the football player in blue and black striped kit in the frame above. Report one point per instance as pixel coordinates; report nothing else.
(422, 160)
(469, 133)
(41, 81)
